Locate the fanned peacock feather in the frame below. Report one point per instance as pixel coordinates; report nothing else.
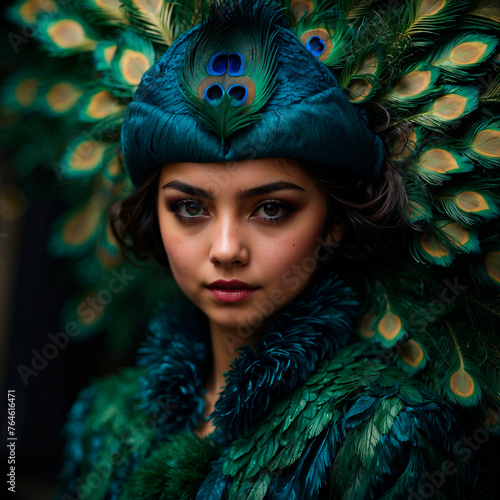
(355, 9)
(163, 22)
(133, 57)
(65, 34)
(414, 356)
(59, 97)
(99, 104)
(26, 12)
(103, 55)
(106, 12)
(471, 203)
(360, 76)
(414, 87)
(454, 104)
(404, 146)
(464, 52)
(384, 319)
(78, 229)
(327, 35)
(295, 9)
(152, 19)
(459, 375)
(21, 90)
(442, 241)
(482, 143)
(421, 17)
(84, 158)
(435, 164)
(482, 14)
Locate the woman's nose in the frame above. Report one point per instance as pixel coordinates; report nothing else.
(228, 246)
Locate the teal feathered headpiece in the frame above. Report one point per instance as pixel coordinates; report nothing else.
(241, 86)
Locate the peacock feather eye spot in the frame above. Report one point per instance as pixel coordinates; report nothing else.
(236, 64)
(238, 93)
(218, 64)
(213, 93)
(315, 45)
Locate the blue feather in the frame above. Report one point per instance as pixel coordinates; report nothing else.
(402, 427)
(216, 483)
(361, 410)
(325, 455)
(305, 480)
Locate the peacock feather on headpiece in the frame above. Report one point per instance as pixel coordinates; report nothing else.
(431, 64)
(230, 72)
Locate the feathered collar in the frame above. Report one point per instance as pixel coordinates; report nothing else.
(177, 356)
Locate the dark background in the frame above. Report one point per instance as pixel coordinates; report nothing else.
(42, 404)
(32, 295)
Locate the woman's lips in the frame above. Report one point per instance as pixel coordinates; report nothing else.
(230, 291)
(233, 295)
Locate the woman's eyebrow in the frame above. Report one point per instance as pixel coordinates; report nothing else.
(266, 189)
(188, 189)
(240, 194)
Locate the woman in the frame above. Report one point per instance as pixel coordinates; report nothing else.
(253, 172)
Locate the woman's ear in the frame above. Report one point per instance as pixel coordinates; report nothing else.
(336, 232)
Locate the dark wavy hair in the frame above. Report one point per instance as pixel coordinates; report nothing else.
(372, 214)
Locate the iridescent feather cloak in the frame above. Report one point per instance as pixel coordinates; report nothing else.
(307, 413)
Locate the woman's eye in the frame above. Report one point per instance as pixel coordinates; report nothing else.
(190, 209)
(274, 211)
(187, 210)
(271, 209)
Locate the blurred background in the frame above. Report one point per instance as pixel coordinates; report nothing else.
(72, 308)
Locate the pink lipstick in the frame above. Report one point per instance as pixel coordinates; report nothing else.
(230, 291)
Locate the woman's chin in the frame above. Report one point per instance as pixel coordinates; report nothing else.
(242, 325)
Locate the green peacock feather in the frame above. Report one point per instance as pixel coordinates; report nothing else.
(492, 94)
(472, 203)
(464, 52)
(229, 75)
(327, 35)
(482, 15)
(108, 12)
(482, 143)
(421, 17)
(64, 34)
(415, 86)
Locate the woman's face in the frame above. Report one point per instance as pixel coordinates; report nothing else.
(242, 238)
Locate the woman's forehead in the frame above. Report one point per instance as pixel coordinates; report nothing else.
(236, 175)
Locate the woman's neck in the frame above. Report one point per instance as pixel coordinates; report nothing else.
(224, 343)
(223, 353)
